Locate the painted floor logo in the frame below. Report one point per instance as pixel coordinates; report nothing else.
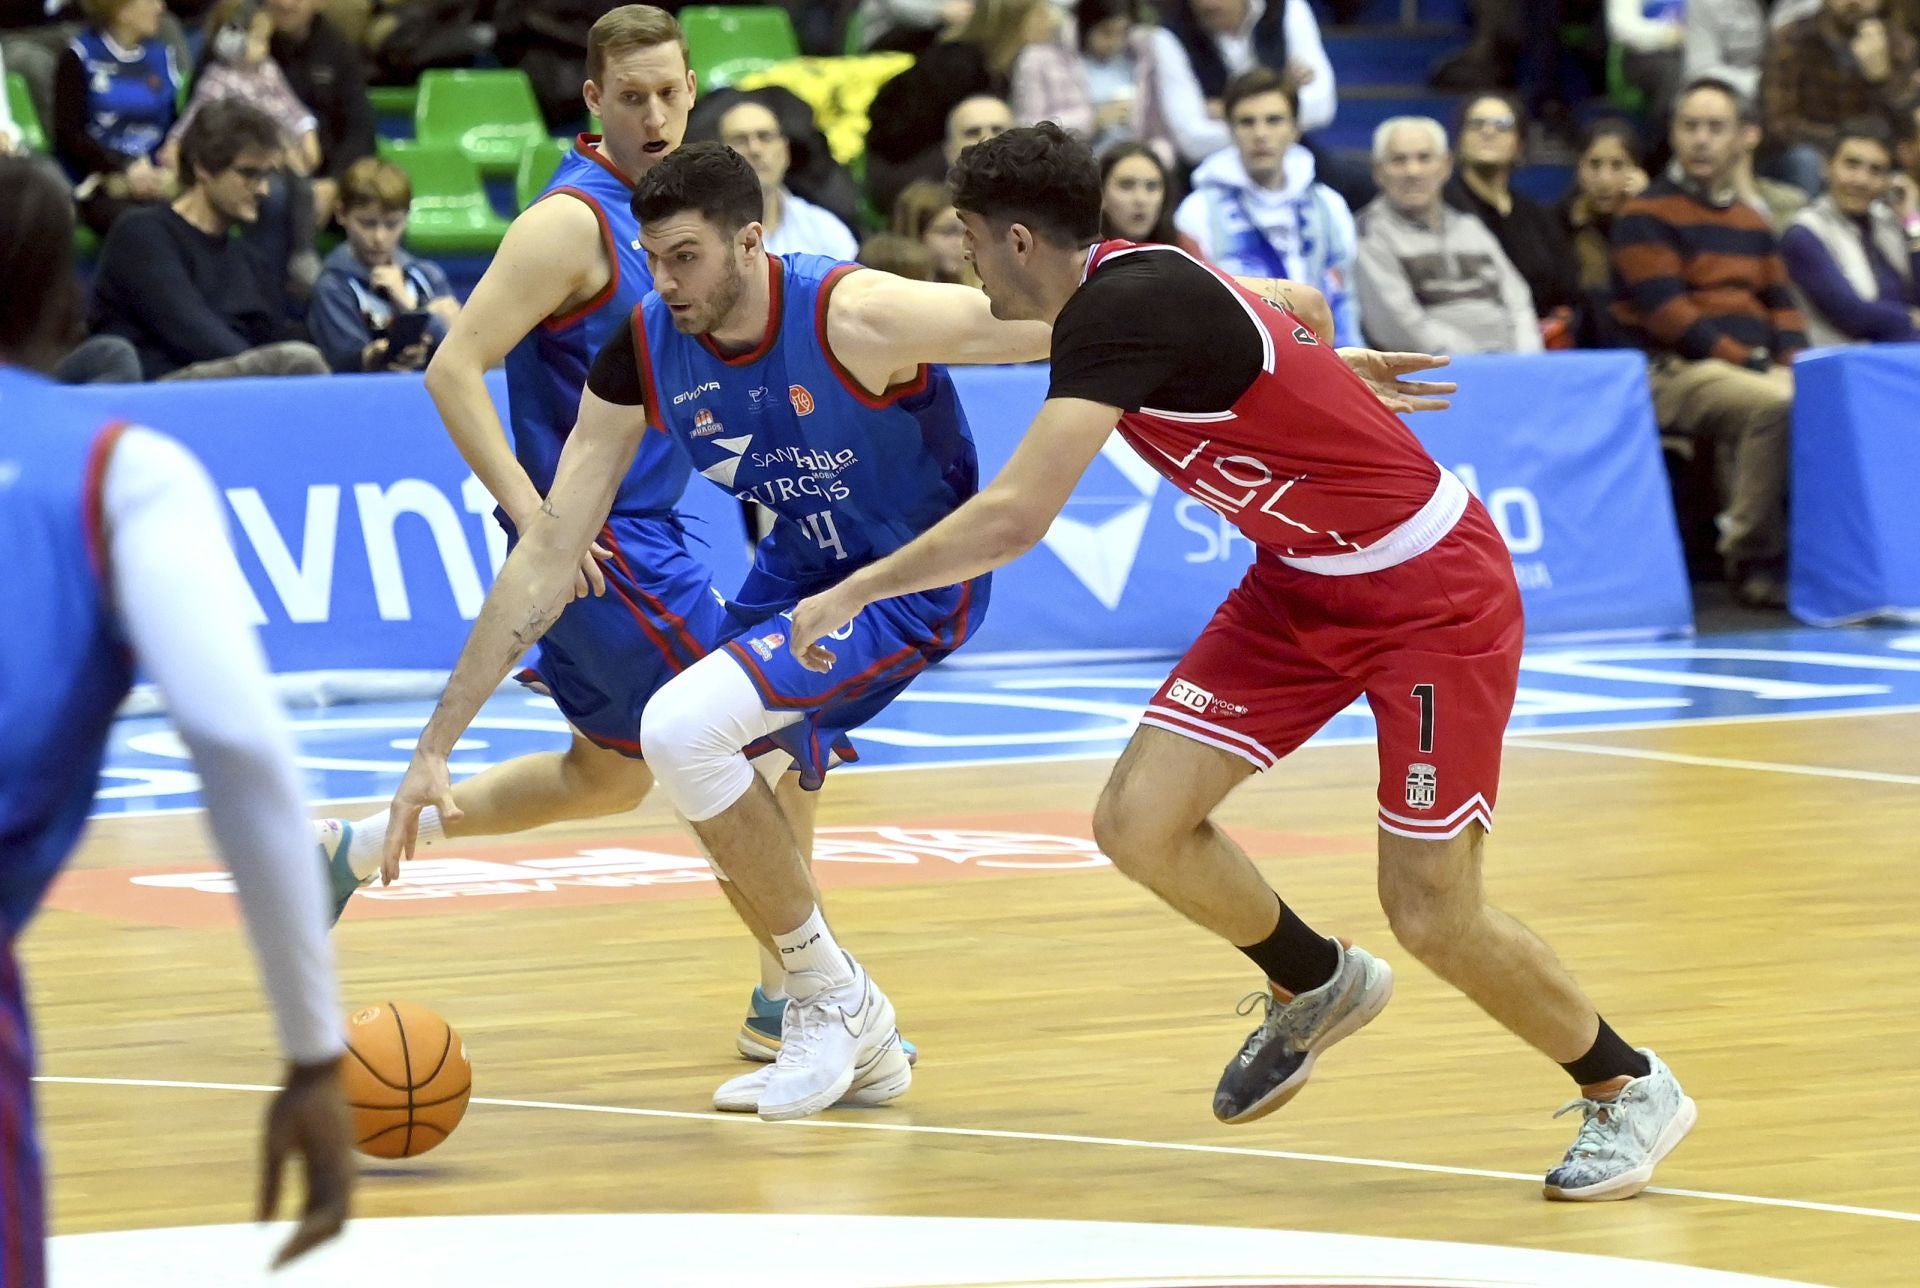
(667, 867)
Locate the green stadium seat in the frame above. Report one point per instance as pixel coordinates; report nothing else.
(20, 101)
(394, 100)
(728, 41)
(537, 165)
(491, 116)
(451, 214)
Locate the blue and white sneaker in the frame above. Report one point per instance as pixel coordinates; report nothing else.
(759, 1037)
(334, 836)
(1621, 1140)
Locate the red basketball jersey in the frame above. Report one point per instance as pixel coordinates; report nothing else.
(1307, 463)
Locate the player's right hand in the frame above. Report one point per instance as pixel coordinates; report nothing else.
(428, 782)
(308, 1118)
(590, 580)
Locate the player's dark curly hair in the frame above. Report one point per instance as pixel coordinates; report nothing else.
(40, 307)
(708, 177)
(1039, 176)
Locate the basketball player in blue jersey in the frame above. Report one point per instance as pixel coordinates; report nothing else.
(115, 549)
(566, 276)
(802, 384)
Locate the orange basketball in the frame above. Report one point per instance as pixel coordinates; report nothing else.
(407, 1079)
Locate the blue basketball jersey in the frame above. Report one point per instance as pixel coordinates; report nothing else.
(63, 667)
(132, 94)
(849, 476)
(547, 371)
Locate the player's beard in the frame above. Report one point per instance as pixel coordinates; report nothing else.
(713, 314)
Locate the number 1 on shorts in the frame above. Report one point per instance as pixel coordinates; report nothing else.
(1425, 692)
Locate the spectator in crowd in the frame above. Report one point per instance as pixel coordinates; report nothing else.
(909, 26)
(1777, 202)
(1843, 62)
(793, 225)
(195, 300)
(1607, 176)
(240, 65)
(925, 213)
(812, 172)
(1256, 209)
(1726, 41)
(1136, 198)
(371, 283)
(1492, 131)
(976, 117)
(1111, 39)
(9, 128)
(1652, 35)
(328, 73)
(1432, 279)
(1703, 289)
(910, 115)
(115, 96)
(1047, 82)
(898, 254)
(1849, 255)
(1203, 44)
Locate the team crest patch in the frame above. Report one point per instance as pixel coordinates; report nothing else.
(766, 644)
(1423, 786)
(705, 426)
(802, 400)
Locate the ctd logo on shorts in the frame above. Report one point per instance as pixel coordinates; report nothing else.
(1423, 786)
(1186, 695)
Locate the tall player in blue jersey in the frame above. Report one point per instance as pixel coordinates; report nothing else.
(116, 555)
(566, 276)
(801, 384)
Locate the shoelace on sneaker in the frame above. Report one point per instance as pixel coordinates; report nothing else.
(805, 1023)
(1599, 1128)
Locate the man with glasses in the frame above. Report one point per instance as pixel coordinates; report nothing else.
(793, 225)
(197, 302)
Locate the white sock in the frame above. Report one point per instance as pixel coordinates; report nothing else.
(773, 977)
(370, 837)
(809, 950)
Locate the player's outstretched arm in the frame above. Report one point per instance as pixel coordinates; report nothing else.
(167, 549)
(1003, 522)
(532, 588)
(882, 323)
(550, 258)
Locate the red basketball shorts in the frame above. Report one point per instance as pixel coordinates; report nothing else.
(1432, 643)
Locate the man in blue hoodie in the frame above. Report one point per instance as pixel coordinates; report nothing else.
(1257, 210)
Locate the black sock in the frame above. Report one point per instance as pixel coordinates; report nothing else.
(1294, 956)
(1610, 1057)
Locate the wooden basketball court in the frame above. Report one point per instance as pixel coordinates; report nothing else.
(1742, 897)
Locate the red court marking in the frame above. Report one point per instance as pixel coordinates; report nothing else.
(615, 868)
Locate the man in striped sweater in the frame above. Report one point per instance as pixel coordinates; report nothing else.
(1703, 289)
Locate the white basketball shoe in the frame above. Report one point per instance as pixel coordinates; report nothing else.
(826, 1038)
(883, 1077)
(1622, 1139)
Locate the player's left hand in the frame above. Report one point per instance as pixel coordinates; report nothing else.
(815, 618)
(428, 782)
(1385, 372)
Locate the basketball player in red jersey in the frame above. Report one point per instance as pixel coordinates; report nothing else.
(1377, 573)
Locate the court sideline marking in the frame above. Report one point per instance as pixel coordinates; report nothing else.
(1716, 762)
(1055, 1138)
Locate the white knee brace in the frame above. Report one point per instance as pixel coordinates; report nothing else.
(693, 730)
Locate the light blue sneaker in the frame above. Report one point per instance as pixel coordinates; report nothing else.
(759, 1037)
(334, 836)
(1622, 1139)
